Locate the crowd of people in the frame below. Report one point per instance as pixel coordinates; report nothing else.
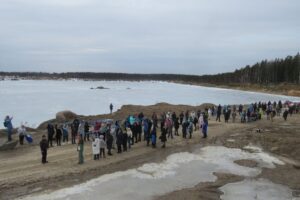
(107, 135)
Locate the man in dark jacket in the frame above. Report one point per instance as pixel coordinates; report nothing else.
(119, 135)
(109, 142)
(76, 125)
(181, 116)
(86, 131)
(73, 134)
(50, 129)
(58, 135)
(163, 137)
(219, 112)
(44, 148)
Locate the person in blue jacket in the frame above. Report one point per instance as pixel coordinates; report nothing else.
(8, 125)
(153, 137)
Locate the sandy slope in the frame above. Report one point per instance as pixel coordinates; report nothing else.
(21, 172)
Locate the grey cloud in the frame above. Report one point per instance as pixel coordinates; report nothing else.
(145, 36)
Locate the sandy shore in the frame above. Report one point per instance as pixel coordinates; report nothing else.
(21, 172)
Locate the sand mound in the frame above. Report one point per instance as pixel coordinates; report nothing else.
(294, 93)
(8, 145)
(65, 115)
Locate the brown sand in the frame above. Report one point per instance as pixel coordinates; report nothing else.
(21, 172)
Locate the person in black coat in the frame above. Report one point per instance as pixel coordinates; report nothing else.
(285, 114)
(181, 116)
(219, 112)
(176, 125)
(149, 132)
(86, 131)
(109, 142)
(119, 135)
(124, 141)
(50, 130)
(163, 137)
(58, 135)
(44, 147)
(73, 134)
(185, 124)
(76, 125)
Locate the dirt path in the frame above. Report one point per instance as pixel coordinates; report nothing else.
(21, 172)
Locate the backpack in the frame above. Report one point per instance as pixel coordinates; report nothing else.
(5, 123)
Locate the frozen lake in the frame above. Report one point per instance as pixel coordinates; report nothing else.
(35, 101)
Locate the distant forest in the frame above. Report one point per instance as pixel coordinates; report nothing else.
(263, 73)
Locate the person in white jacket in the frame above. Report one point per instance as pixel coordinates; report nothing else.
(96, 148)
(201, 121)
(21, 133)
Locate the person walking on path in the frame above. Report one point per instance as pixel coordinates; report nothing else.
(80, 148)
(111, 107)
(44, 147)
(21, 133)
(8, 125)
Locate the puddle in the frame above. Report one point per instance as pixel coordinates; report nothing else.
(256, 189)
(230, 140)
(178, 171)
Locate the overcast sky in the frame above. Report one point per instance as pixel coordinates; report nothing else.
(145, 36)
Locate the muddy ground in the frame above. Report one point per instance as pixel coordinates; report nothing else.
(21, 172)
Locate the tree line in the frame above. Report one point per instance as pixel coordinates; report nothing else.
(265, 72)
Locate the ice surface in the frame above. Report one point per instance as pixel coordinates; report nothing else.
(260, 189)
(35, 101)
(178, 171)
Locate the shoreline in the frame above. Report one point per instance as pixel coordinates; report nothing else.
(286, 89)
